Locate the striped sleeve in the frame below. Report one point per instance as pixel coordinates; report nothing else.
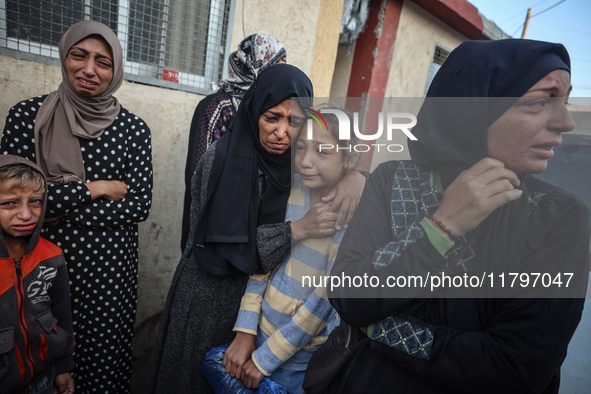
(250, 306)
(304, 326)
(310, 319)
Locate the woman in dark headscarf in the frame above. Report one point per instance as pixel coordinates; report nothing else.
(240, 191)
(215, 112)
(468, 206)
(97, 158)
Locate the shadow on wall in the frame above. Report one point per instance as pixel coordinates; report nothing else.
(143, 342)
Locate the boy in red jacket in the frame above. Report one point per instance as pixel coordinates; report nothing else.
(36, 341)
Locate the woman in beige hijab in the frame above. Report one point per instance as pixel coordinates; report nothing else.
(97, 157)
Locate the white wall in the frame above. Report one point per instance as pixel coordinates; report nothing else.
(418, 34)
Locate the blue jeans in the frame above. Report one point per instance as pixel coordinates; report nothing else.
(45, 386)
(291, 380)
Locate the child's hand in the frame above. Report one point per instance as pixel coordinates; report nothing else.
(318, 222)
(251, 376)
(238, 353)
(64, 384)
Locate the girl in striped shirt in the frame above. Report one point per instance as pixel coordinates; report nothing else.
(285, 315)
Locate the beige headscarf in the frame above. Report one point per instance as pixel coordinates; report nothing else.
(66, 116)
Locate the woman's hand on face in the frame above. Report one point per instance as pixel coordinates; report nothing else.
(238, 353)
(111, 190)
(475, 194)
(251, 376)
(345, 197)
(318, 222)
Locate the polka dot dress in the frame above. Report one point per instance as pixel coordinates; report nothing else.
(99, 240)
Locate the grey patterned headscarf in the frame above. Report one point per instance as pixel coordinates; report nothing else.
(255, 53)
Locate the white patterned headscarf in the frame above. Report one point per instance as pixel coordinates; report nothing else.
(255, 53)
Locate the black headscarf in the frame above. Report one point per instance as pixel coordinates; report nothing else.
(233, 209)
(480, 81)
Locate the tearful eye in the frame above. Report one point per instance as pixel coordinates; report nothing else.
(537, 103)
(533, 104)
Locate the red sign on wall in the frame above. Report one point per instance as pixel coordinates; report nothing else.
(170, 75)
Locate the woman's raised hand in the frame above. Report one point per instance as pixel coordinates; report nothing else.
(345, 197)
(475, 194)
(317, 223)
(111, 190)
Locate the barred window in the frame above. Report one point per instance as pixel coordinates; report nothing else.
(174, 43)
(440, 55)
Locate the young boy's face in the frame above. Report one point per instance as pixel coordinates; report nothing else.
(20, 209)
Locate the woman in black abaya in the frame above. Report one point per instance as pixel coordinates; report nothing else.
(468, 204)
(240, 191)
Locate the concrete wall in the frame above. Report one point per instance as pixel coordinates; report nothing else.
(342, 71)
(309, 30)
(418, 34)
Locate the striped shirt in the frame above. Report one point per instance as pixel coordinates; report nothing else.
(287, 309)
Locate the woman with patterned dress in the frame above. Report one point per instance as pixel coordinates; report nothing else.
(215, 112)
(97, 158)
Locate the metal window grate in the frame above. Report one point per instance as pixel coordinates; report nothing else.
(165, 42)
(440, 55)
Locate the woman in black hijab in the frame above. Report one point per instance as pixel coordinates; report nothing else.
(240, 191)
(466, 206)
